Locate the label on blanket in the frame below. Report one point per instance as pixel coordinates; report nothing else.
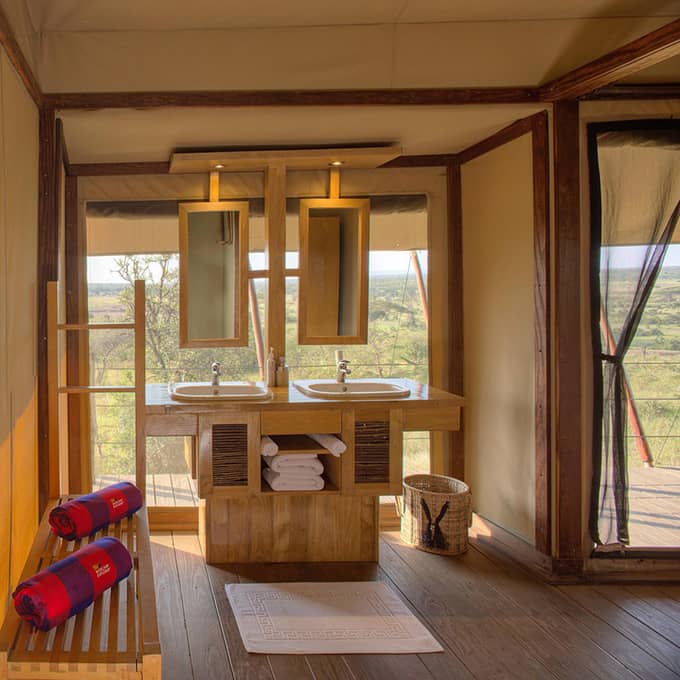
(101, 569)
(117, 502)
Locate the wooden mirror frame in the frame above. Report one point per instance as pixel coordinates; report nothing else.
(240, 338)
(363, 208)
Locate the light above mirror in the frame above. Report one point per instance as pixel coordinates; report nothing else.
(213, 251)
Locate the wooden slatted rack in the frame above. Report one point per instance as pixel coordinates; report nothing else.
(115, 638)
(55, 388)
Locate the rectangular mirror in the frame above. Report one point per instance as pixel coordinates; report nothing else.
(213, 274)
(333, 294)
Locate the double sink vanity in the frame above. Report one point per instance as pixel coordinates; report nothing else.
(240, 518)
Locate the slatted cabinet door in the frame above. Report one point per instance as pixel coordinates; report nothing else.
(374, 439)
(228, 454)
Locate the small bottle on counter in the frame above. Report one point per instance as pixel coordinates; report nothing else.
(271, 369)
(282, 373)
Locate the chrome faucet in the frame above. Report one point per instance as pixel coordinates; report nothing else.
(342, 368)
(215, 368)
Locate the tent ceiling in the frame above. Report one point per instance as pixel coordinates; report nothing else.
(125, 135)
(100, 15)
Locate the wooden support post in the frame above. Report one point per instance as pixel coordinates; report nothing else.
(140, 385)
(214, 187)
(455, 264)
(567, 341)
(52, 389)
(540, 143)
(48, 245)
(275, 238)
(334, 183)
(257, 326)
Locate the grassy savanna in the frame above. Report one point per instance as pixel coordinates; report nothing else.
(397, 347)
(653, 361)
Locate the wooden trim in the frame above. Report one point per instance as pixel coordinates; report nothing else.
(104, 169)
(169, 518)
(362, 206)
(240, 337)
(567, 340)
(48, 270)
(507, 134)
(543, 458)
(636, 92)
(16, 56)
(454, 195)
(493, 540)
(54, 482)
(234, 98)
(423, 161)
(646, 51)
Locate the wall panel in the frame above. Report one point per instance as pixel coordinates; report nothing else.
(18, 272)
(498, 285)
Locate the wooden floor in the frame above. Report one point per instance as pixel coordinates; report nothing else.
(654, 501)
(492, 620)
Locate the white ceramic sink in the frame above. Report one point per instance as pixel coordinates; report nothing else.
(352, 389)
(222, 392)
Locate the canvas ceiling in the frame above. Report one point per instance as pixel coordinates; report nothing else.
(103, 15)
(125, 135)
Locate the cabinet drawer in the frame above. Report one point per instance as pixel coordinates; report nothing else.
(301, 422)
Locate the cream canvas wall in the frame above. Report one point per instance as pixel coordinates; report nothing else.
(498, 318)
(18, 273)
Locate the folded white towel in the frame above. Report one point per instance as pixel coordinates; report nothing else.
(305, 464)
(286, 482)
(330, 442)
(268, 447)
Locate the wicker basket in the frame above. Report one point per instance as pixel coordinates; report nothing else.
(435, 514)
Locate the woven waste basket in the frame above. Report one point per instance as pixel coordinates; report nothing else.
(435, 514)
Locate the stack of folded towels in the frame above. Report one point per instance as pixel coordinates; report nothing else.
(296, 471)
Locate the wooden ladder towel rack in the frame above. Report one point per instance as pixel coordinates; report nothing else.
(55, 388)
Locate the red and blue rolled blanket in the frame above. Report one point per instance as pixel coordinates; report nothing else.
(67, 587)
(87, 514)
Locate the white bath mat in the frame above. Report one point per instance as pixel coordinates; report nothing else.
(326, 618)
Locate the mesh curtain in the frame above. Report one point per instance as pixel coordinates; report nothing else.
(635, 207)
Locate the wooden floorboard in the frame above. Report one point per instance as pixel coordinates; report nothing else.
(493, 621)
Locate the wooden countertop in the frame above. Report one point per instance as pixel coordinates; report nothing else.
(158, 401)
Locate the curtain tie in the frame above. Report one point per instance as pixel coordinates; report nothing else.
(612, 359)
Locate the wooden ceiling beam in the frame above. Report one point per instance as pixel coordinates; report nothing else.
(639, 92)
(239, 98)
(646, 51)
(16, 56)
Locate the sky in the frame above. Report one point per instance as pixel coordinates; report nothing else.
(101, 269)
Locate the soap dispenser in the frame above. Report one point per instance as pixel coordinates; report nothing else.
(271, 369)
(282, 373)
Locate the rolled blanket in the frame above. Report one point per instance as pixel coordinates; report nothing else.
(268, 447)
(67, 587)
(286, 482)
(305, 464)
(84, 515)
(330, 443)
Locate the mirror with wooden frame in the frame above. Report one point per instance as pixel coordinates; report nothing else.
(213, 274)
(333, 294)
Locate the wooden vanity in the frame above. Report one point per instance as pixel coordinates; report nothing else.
(242, 520)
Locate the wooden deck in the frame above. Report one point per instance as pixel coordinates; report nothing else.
(654, 498)
(493, 621)
(161, 490)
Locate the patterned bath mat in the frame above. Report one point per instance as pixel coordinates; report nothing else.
(326, 618)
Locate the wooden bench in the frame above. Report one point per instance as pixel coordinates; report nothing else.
(116, 638)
